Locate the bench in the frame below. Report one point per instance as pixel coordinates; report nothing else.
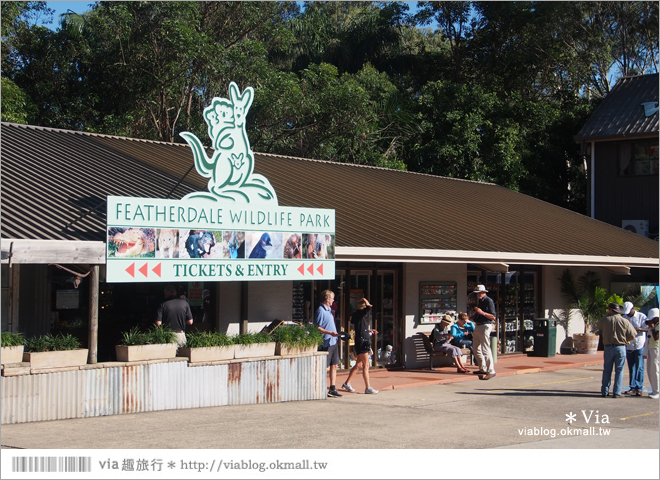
(428, 346)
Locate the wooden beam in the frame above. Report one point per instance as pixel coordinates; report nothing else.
(52, 251)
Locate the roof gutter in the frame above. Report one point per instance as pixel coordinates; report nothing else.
(498, 260)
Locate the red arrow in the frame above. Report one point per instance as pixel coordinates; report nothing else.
(131, 270)
(320, 269)
(310, 269)
(156, 269)
(301, 269)
(144, 269)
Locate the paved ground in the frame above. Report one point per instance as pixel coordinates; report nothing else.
(511, 411)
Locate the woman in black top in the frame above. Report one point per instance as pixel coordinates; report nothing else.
(362, 346)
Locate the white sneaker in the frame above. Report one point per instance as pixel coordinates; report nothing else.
(371, 390)
(654, 396)
(347, 387)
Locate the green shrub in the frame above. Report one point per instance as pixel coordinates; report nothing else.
(10, 339)
(300, 336)
(157, 334)
(52, 343)
(250, 338)
(207, 339)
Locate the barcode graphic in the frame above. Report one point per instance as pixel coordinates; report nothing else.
(51, 464)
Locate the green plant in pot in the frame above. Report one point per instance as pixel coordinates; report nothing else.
(54, 351)
(157, 334)
(258, 344)
(10, 339)
(207, 346)
(52, 343)
(297, 338)
(588, 297)
(208, 339)
(12, 347)
(158, 342)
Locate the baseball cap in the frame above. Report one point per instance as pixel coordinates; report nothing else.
(627, 307)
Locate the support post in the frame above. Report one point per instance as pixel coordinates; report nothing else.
(243, 327)
(93, 335)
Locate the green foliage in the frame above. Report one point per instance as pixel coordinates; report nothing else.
(586, 295)
(157, 334)
(298, 335)
(251, 338)
(52, 343)
(207, 339)
(495, 94)
(10, 339)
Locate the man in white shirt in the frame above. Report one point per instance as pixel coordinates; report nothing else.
(635, 349)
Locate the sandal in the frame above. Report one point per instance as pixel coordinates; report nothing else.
(458, 370)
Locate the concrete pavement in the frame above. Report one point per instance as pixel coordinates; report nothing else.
(557, 406)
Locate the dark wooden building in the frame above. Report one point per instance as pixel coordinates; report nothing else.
(620, 141)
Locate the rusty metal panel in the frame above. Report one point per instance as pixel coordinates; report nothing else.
(159, 386)
(48, 396)
(103, 392)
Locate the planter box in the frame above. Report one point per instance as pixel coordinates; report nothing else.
(62, 358)
(281, 349)
(11, 354)
(255, 350)
(135, 353)
(585, 343)
(207, 354)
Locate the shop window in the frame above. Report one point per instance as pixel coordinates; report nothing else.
(638, 158)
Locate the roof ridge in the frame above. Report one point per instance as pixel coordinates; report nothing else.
(158, 142)
(92, 134)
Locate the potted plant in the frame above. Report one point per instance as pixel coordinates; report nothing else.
(158, 342)
(248, 345)
(294, 339)
(587, 296)
(207, 347)
(12, 347)
(54, 351)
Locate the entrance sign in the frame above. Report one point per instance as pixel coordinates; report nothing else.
(234, 231)
(158, 240)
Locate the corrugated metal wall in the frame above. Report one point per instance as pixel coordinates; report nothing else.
(159, 386)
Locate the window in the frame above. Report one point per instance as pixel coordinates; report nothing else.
(638, 158)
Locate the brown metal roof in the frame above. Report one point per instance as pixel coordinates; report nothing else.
(621, 114)
(50, 177)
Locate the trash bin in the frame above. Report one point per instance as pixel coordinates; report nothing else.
(545, 337)
(493, 345)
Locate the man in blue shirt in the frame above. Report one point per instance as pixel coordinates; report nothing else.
(325, 322)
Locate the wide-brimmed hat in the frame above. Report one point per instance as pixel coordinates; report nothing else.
(652, 313)
(615, 307)
(627, 307)
(480, 289)
(447, 319)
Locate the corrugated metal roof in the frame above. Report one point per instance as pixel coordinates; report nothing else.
(50, 176)
(621, 113)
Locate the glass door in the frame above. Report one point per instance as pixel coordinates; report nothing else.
(385, 345)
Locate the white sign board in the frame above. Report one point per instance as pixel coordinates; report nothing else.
(157, 240)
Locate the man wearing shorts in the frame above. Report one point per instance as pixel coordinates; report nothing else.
(325, 322)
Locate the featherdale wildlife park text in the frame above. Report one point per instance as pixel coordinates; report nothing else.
(190, 214)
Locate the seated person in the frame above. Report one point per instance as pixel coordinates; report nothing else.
(462, 333)
(441, 338)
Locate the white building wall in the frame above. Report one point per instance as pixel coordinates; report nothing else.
(413, 274)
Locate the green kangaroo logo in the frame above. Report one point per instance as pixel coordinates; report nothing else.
(231, 167)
